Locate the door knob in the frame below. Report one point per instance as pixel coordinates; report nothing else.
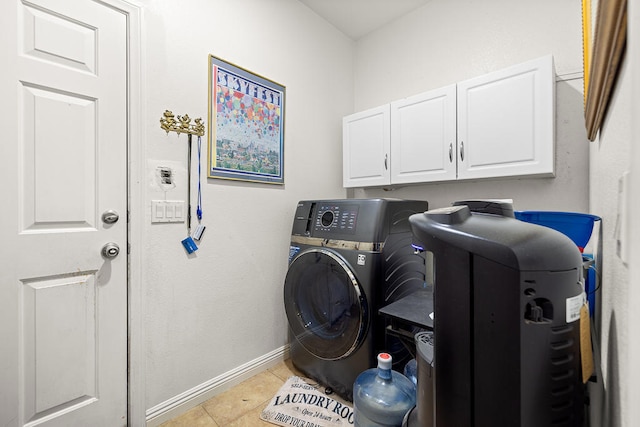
(110, 250)
(110, 217)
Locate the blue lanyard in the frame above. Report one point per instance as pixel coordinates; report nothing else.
(199, 208)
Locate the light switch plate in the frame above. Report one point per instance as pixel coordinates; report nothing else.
(167, 211)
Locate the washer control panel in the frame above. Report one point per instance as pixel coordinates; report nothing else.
(336, 217)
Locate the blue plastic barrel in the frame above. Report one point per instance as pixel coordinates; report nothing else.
(577, 226)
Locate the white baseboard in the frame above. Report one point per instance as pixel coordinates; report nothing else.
(191, 398)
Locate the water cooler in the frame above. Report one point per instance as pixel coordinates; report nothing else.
(506, 341)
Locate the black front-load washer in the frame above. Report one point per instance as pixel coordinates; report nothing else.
(348, 258)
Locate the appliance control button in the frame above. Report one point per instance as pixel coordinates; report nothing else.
(327, 218)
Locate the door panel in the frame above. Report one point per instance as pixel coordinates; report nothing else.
(58, 342)
(63, 306)
(506, 122)
(65, 189)
(423, 131)
(366, 141)
(58, 39)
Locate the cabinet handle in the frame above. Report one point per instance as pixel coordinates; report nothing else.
(385, 161)
(450, 152)
(462, 150)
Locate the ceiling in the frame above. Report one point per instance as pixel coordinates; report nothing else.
(356, 18)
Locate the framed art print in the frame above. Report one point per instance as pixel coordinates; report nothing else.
(246, 125)
(604, 29)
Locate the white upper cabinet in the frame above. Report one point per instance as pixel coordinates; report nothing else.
(423, 135)
(506, 122)
(497, 125)
(366, 139)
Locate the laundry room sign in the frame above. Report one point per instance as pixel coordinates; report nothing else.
(300, 404)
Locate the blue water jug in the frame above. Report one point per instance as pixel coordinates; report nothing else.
(411, 371)
(381, 396)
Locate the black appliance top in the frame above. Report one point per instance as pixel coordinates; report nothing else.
(354, 219)
(508, 241)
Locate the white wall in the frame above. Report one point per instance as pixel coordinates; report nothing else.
(448, 41)
(611, 157)
(633, 368)
(211, 312)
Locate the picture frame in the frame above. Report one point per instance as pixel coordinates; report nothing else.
(246, 125)
(604, 29)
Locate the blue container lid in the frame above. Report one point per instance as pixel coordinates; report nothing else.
(577, 226)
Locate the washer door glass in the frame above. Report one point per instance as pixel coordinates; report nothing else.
(325, 304)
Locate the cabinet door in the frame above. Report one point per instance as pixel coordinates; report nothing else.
(423, 135)
(506, 122)
(365, 148)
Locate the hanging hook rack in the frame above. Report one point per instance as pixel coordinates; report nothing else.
(183, 124)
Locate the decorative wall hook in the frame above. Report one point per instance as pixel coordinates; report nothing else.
(183, 124)
(169, 123)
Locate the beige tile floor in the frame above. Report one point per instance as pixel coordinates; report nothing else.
(241, 405)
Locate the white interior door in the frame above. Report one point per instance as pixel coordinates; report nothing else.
(63, 305)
